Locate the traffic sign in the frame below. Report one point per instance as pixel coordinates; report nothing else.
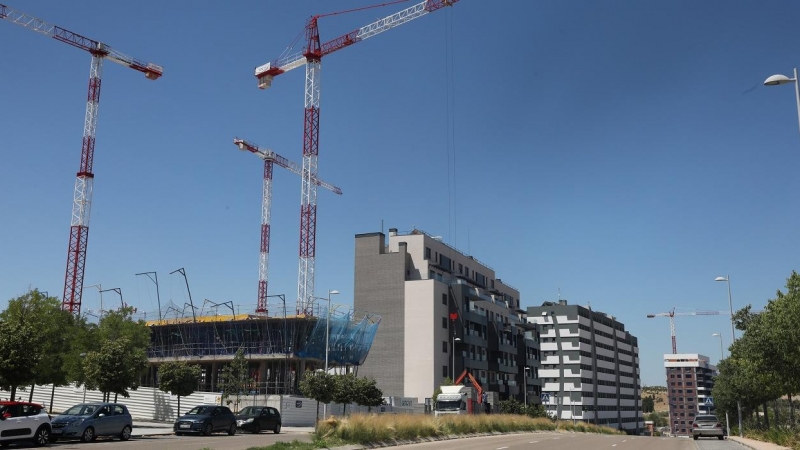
(710, 401)
(545, 397)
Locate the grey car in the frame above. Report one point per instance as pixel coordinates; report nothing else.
(86, 421)
(707, 425)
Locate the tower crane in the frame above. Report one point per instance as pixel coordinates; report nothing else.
(671, 314)
(82, 197)
(311, 57)
(269, 158)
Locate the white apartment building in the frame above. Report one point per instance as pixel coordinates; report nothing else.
(590, 366)
(443, 312)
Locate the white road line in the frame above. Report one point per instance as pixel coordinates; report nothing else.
(613, 445)
(501, 448)
(625, 440)
(532, 442)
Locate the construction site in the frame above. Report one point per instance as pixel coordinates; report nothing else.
(280, 343)
(279, 348)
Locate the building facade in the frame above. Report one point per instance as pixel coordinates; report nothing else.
(443, 312)
(689, 384)
(589, 366)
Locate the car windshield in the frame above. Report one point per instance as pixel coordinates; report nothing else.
(249, 411)
(200, 410)
(706, 419)
(82, 410)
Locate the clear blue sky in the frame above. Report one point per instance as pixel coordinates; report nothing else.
(623, 152)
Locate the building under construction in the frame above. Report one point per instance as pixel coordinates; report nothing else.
(279, 348)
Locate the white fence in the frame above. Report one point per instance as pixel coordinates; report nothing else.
(148, 403)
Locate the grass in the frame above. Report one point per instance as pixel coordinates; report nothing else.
(785, 438)
(389, 428)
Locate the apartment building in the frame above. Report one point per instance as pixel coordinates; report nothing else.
(443, 312)
(589, 367)
(689, 384)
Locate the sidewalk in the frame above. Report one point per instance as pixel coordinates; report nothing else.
(756, 445)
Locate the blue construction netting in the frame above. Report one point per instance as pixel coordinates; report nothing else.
(350, 338)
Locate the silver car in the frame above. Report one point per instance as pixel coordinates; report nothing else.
(707, 425)
(86, 421)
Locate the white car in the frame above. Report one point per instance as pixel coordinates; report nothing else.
(23, 421)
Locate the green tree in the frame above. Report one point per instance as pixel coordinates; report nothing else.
(345, 390)
(648, 404)
(130, 340)
(31, 330)
(178, 378)
(535, 410)
(318, 385)
(367, 393)
(115, 367)
(511, 406)
(235, 377)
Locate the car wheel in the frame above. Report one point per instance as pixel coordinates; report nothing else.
(88, 435)
(694, 437)
(277, 429)
(208, 429)
(42, 436)
(126, 433)
(232, 429)
(53, 438)
(256, 429)
(178, 434)
(720, 437)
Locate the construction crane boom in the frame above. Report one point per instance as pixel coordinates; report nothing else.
(150, 70)
(266, 72)
(82, 197)
(672, 314)
(312, 57)
(269, 157)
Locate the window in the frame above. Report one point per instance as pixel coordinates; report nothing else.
(444, 322)
(444, 299)
(460, 268)
(427, 253)
(445, 372)
(444, 346)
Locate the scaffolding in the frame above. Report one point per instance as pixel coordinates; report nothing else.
(279, 348)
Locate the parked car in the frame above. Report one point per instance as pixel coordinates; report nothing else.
(86, 421)
(257, 418)
(707, 425)
(206, 419)
(23, 421)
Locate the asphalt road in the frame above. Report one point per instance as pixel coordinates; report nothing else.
(170, 442)
(571, 441)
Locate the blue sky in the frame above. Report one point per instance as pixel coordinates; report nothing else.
(624, 153)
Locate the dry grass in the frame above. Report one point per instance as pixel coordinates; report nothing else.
(373, 428)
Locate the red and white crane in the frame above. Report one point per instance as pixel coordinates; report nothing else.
(82, 198)
(671, 314)
(311, 56)
(269, 158)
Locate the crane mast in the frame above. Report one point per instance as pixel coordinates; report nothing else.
(269, 157)
(82, 197)
(312, 57)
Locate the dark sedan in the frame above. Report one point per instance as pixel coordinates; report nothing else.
(206, 419)
(257, 418)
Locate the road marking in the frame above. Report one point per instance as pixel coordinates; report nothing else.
(532, 442)
(625, 440)
(501, 448)
(613, 445)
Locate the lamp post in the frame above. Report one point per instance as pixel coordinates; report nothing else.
(721, 357)
(327, 340)
(783, 79)
(525, 383)
(727, 279)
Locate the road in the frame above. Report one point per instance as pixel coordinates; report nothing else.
(215, 441)
(571, 441)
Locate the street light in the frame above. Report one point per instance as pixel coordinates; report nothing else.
(721, 357)
(783, 79)
(727, 279)
(327, 340)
